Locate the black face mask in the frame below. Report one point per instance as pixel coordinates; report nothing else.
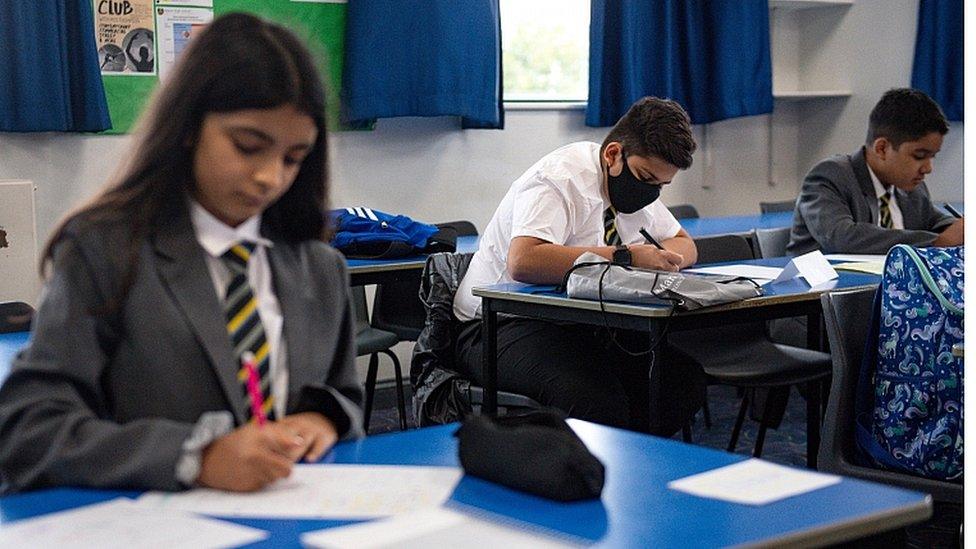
(627, 193)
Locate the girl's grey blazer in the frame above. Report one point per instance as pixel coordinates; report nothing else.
(107, 400)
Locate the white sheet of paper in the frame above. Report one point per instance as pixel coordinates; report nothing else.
(752, 482)
(324, 491)
(122, 523)
(812, 266)
(438, 527)
(869, 267)
(855, 257)
(758, 273)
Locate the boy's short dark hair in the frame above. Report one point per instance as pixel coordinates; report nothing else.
(655, 127)
(905, 114)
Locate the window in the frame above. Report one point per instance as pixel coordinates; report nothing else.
(545, 49)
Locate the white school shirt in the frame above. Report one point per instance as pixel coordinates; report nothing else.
(216, 238)
(559, 199)
(897, 221)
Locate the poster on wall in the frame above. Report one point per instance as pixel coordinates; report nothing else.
(125, 35)
(177, 26)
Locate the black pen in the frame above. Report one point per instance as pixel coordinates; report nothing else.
(650, 239)
(955, 213)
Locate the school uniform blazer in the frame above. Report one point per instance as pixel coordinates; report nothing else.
(837, 212)
(108, 400)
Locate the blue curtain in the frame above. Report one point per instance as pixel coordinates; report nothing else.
(49, 74)
(423, 58)
(712, 57)
(938, 67)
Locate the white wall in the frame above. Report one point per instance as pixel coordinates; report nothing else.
(433, 171)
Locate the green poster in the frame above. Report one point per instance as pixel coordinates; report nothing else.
(320, 24)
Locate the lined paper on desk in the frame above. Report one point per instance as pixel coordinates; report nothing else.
(753, 482)
(323, 491)
(122, 523)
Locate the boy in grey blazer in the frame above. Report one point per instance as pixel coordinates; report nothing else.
(871, 200)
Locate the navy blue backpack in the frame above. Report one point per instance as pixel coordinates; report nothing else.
(909, 405)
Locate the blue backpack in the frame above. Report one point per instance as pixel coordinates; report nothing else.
(368, 233)
(909, 407)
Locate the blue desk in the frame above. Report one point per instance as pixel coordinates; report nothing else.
(10, 344)
(738, 224)
(743, 224)
(363, 272)
(781, 300)
(636, 509)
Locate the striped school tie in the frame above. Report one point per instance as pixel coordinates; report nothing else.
(244, 325)
(884, 211)
(610, 236)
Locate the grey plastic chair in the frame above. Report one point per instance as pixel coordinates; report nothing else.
(847, 315)
(742, 355)
(683, 211)
(373, 342)
(779, 206)
(772, 242)
(15, 316)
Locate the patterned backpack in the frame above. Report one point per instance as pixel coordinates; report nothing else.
(913, 421)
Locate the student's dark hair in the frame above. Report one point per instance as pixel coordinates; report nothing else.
(238, 62)
(655, 127)
(905, 114)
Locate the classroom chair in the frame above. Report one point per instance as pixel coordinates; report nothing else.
(847, 315)
(15, 316)
(373, 342)
(789, 331)
(772, 242)
(397, 307)
(683, 211)
(778, 206)
(742, 356)
(440, 393)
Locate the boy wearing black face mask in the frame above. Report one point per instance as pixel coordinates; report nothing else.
(583, 197)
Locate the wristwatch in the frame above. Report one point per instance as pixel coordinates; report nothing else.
(621, 256)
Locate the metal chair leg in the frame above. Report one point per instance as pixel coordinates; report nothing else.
(743, 408)
(374, 362)
(706, 412)
(813, 423)
(763, 426)
(401, 404)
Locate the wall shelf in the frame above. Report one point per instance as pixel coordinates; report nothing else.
(803, 95)
(807, 4)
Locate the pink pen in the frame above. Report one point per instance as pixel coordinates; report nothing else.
(254, 388)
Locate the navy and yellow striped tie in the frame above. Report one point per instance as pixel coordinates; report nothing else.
(244, 325)
(610, 235)
(884, 211)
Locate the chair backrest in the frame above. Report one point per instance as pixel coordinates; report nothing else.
(15, 316)
(772, 242)
(727, 247)
(779, 206)
(847, 315)
(359, 308)
(397, 307)
(683, 211)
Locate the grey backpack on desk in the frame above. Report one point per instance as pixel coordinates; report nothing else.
(595, 278)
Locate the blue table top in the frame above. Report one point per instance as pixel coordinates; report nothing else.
(796, 287)
(709, 226)
(736, 224)
(636, 508)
